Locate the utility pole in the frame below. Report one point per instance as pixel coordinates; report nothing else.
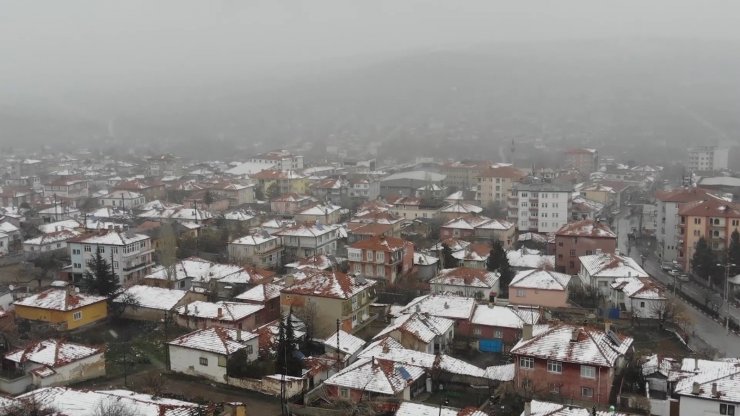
(727, 267)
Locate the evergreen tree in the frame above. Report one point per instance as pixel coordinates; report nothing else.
(498, 262)
(448, 260)
(99, 277)
(704, 262)
(287, 361)
(280, 351)
(733, 253)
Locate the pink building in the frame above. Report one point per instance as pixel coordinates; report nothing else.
(539, 288)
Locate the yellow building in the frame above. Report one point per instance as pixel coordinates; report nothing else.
(599, 193)
(281, 182)
(63, 307)
(494, 183)
(714, 219)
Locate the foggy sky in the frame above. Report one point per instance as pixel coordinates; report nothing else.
(52, 48)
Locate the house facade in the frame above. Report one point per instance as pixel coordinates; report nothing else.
(64, 308)
(130, 254)
(494, 184)
(538, 287)
(713, 219)
(600, 270)
(260, 250)
(539, 206)
(464, 281)
(306, 240)
(382, 258)
(581, 238)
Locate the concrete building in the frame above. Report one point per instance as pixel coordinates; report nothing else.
(123, 199)
(582, 160)
(581, 238)
(708, 158)
(713, 219)
(130, 254)
(494, 184)
(259, 250)
(540, 207)
(205, 352)
(382, 258)
(667, 222)
(463, 174)
(280, 159)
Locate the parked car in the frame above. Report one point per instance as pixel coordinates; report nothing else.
(682, 276)
(667, 265)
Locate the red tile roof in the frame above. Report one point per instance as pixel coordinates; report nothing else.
(586, 228)
(381, 243)
(682, 195)
(711, 207)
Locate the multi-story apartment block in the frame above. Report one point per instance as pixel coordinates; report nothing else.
(463, 174)
(713, 219)
(368, 189)
(328, 297)
(708, 158)
(567, 361)
(260, 250)
(129, 254)
(581, 238)
(383, 258)
(494, 183)
(540, 207)
(279, 159)
(668, 204)
(67, 188)
(306, 240)
(582, 160)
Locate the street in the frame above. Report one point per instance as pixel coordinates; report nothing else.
(706, 330)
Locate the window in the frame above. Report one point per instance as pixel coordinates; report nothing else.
(727, 409)
(75, 251)
(115, 264)
(588, 371)
(358, 268)
(572, 252)
(527, 384)
(554, 388)
(250, 349)
(88, 249)
(380, 257)
(526, 362)
(344, 393)
(101, 250)
(587, 392)
(203, 361)
(642, 304)
(497, 334)
(476, 331)
(369, 255)
(520, 293)
(697, 220)
(77, 316)
(554, 367)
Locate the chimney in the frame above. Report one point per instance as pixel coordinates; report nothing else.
(70, 289)
(616, 251)
(239, 333)
(526, 332)
(220, 312)
(714, 389)
(598, 251)
(696, 388)
(528, 409)
(696, 364)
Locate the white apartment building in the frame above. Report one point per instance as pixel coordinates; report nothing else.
(708, 158)
(259, 249)
(539, 207)
(308, 240)
(130, 254)
(279, 159)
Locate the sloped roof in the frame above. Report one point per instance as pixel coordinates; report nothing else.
(529, 259)
(329, 284)
(153, 297)
(711, 207)
(382, 243)
(261, 293)
(348, 343)
(586, 228)
(222, 311)
(422, 326)
(579, 345)
(441, 305)
(216, 339)
(611, 265)
(52, 353)
(59, 300)
(540, 279)
(377, 376)
(504, 316)
(682, 195)
(639, 288)
(466, 276)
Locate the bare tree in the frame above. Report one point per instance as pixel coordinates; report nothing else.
(112, 407)
(27, 407)
(123, 302)
(167, 250)
(153, 383)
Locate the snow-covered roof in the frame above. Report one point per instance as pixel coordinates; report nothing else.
(254, 239)
(329, 284)
(348, 343)
(421, 259)
(465, 276)
(239, 215)
(318, 210)
(221, 311)
(69, 402)
(59, 300)
(377, 376)
(59, 225)
(441, 305)
(540, 279)
(504, 316)
(53, 237)
(153, 297)
(247, 168)
(461, 208)
(421, 409)
(319, 262)
(419, 325)
(201, 270)
(539, 408)
(586, 228)
(8, 228)
(529, 259)
(111, 238)
(303, 230)
(260, 293)
(52, 353)
(637, 288)
(504, 372)
(724, 376)
(216, 339)
(574, 344)
(611, 265)
(390, 349)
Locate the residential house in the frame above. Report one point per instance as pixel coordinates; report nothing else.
(415, 409)
(425, 266)
(478, 227)
(206, 352)
(540, 206)
(600, 270)
(582, 160)
(343, 346)
(600, 193)
(474, 256)
(464, 174)
(67, 188)
(129, 254)
(123, 199)
(259, 249)
(280, 182)
(581, 238)
(364, 189)
(330, 296)
(236, 194)
(459, 309)
(48, 243)
(527, 259)
(464, 281)
(266, 295)
(59, 212)
(413, 208)
(164, 165)
(406, 183)
(458, 209)
(713, 219)
(496, 328)
(54, 362)
(67, 401)
(151, 189)
(639, 297)
(324, 214)
(497, 230)
(382, 258)
(306, 240)
(332, 190)
(586, 209)
(542, 408)
(281, 159)
(233, 315)
(538, 287)
(197, 273)
(580, 363)
(421, 332)
(713, 389)
(290, 203)
(63, 308)
(495, 182)
(149, 303)
(322, 262)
